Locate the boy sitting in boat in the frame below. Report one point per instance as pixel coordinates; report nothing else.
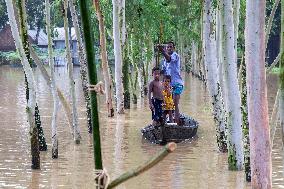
(168, 105)
(155, 96)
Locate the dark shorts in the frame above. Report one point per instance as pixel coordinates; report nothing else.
(177, 89)
(157, 113)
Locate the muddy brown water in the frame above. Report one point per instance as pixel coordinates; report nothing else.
(194, 164)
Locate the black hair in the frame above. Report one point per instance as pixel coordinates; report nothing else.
(172, 43)
(168, 77)
(155, 69)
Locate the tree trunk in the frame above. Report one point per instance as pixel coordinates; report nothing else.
(212, 75)
(235, 145)
(92, 72)
(260, 149)
(270, 21)
(118, 58)
(54, 139)
(193, 57)
(134, 75)
(105, 66)
(76, 132)
(281, 75)
(83, 64)
(220, 54)
(32, 92)
(24, 36)
(245, 123)
(236, 19)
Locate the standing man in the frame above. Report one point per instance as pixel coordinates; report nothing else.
(172, 64)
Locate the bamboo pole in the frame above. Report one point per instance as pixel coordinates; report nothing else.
(170, 147)
(92, 72)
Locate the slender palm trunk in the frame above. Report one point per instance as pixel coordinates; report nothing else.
(236, 19)
(105, 66)
(260, 149)
(235, 144)
(212, 75)
(71, 77)
(118, 58)
(245, 123)
(24, 35)
(54, 139)
(270, 21)
(32, 92)
(133, 76)
(83, 63)
(281, 102)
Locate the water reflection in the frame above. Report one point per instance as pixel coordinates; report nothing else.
(195, 163)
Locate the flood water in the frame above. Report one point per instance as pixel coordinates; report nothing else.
(194, 164)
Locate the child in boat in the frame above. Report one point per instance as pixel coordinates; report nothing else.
(155, 97)
(168, 105)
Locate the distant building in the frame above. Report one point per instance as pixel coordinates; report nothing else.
(59, 43)
(7, 40)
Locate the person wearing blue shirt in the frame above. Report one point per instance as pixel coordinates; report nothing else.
(172, 68)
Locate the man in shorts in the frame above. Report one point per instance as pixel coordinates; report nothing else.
(172, 63)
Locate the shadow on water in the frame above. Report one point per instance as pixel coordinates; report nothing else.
(195, 163)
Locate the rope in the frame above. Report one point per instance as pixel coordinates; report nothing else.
(102, 179)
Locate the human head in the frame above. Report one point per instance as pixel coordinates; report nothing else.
(156, 73)
(167, 79)
(171, 47)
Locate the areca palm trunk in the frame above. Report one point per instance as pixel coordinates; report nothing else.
(281, 102)
(54, 140)
(83, 63)
(24, 36)
(71, 77)
(245, 123)
(212, 75)
(260, 149)
(32, 92)
(234, 136)
(118, 58)
(105, 66)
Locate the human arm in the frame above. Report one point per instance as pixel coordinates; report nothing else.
(149, 95)
(165, 54)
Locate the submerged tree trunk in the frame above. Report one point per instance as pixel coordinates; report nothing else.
(83, 64)
(118, 58)
(105, 66)
(24, 37)
(212, 75)
(260, 150)
(54, 140)
(32, 92)
(235, 145)
(92, 72)
(71, 77)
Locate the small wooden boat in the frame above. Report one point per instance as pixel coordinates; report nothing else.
(171, 132)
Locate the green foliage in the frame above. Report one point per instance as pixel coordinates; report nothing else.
(3, 14)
